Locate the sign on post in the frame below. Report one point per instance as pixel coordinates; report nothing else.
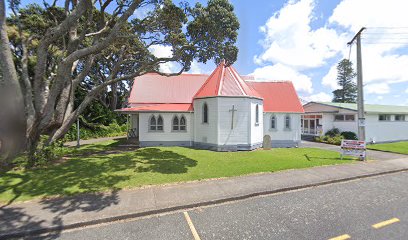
(353, 148)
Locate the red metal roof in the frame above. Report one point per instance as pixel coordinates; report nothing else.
(159, 107)
(155, 88)
(278, 96)
(225, 81)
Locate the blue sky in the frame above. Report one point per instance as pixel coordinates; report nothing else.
(303, 40)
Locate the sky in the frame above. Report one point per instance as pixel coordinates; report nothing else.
(303, 40)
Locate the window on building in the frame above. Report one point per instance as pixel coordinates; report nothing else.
(384, 117)
(175, 123)
(160, 123)
(152, 124)
(344, 117)
(273, 122)
(205, 113)
(257, 114)
(287, 122)
(399, 117)
(183, 124)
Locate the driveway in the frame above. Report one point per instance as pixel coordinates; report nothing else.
(371, 154)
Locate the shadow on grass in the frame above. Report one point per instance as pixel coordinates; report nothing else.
(310, 158)
(77, 183)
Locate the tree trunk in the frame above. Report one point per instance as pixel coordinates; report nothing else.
(114, 102)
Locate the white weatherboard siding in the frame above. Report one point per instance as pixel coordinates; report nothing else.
(241, 132)
(256, 129)
(206, 132)
(167, 136)
(385, 131)
(280, 133)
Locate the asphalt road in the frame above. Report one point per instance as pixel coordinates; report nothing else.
(350, 208)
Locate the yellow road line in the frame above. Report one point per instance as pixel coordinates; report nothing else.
(342, 237)
(191, 225)
(385, 223)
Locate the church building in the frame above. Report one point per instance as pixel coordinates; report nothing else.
(222, 111)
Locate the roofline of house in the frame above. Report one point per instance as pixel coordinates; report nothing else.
(367, 112)
(230, 97)
(150, 111)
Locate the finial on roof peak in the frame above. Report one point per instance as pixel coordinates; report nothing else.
(223, 62)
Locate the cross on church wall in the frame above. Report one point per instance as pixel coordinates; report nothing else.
(232, 111)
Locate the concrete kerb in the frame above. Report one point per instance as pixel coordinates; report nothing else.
(129, 216)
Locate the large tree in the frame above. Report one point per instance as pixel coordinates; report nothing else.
(346, 80)
(93, 45)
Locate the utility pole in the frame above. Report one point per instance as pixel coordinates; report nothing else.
(360, 92)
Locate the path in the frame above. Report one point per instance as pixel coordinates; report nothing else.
(91, 141)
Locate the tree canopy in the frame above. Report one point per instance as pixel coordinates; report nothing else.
(346, 80)
(50, 52)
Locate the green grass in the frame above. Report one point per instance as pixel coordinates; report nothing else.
(149, 166)
(396, 147)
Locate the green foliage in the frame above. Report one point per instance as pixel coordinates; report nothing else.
(149, 166)
(43, 156)
(333, 132)
(112, 130)
(345, 78)
(349, 135)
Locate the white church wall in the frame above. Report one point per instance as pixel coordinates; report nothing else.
(280, 136)
(256, 129)
(167, 137)
(205, 132)
(240, 133)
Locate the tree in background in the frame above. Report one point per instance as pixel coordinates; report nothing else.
(48, 53)
(345, 79)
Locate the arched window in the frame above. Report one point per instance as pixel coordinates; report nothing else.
(273, 122)
(183, 125)
(152, 123)
(205, 113)
(175, 123)
(257, 114)
(160, 123)
(287, 122)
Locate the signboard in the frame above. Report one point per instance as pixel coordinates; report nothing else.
(354, 148)
(361, 122)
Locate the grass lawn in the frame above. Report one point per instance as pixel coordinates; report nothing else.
(85, 172)
(397, 147)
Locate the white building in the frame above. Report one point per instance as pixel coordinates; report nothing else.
(384, 123)
(222, 111)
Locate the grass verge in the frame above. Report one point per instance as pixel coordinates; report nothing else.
(108, 168)
(396, 147)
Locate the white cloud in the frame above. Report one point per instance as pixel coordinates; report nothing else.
(162, 51)
(282, 72)
(290, 40)
(330, 79)
(195, 68)
(377, 88)
(406, 91)
(382, 63)
(318, 97)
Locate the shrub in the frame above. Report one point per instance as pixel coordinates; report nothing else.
(349, 135)
(112, 130)
(333, 132)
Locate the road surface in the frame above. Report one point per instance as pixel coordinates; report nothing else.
(370, 208)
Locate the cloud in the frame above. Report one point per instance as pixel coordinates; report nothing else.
(195, 68)
(162, 51)
(406, 90)
(330, 79)
(282, 72)
(319, 97)
(290, 40)
(382, 63)
(377, 88)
